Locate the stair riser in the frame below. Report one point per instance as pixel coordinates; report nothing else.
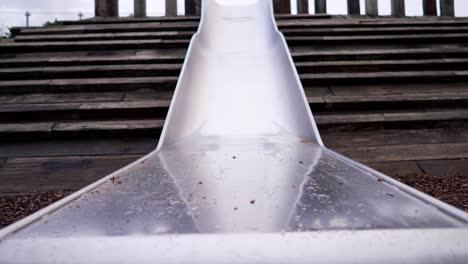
(58, 114)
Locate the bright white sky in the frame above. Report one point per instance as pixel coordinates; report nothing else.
(12, 11)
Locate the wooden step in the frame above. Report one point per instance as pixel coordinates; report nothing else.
(87, 85)
(379, 39)
(366, 78)
(152, 127)
(382, 65)
(168, 82)
(22, 47)
(170, 69)
(91, 45)
(189, 33)
(139, 105)
(162, 57)
(106, 36)
(100, 71)
(407, 152)
(135, 26)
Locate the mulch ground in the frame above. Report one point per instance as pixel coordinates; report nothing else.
(451, 189)
(13, 208)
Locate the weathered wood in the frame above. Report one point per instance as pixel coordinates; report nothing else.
(372, 8)
(430, 7)
(57, 173)
(282, 6)
(447, 8)
(139, 8)
(394, 137)
(144, 70)
(87, 85)
(39, 98)
(320, 6)
(414, 152)
(348, 118)
(126, 127)
(25, 130)
(106, 8)
(429, 115)
(86, 147)
(398, 8)
(354, 7)
(445, 168)
(171, 8)
(303, 6)
(403, 89)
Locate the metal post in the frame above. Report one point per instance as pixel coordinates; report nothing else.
(354, 7)
(429, 7)
(398, 8)
(372, 7)
(106, 8)
(27, 18)
(303, 6)
(190, 7)
(80, 15)
(282, 6)
(171, 8)
(447, 8)
(139, 8)
(198, 4)
(320, 6)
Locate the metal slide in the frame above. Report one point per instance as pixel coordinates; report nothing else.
(241, 176)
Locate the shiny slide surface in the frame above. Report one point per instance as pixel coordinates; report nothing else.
(241, 176)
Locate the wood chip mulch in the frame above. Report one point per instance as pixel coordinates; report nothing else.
(450, 189)
(13, 208)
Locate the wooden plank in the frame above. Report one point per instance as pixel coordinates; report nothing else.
(87, 85)
(413, 152)
(33, 130)
(372, 8)
(348, 118)
(400, 89)
(394, 137)
(95, 71)
(57, 173)
(398, 8)
(60, 98)
(354, 7)
(375, 39)
(101, 128)
(87, 147)
(303, 6)
(365, 78)
(445, 168)
(430, 7)
(398, 101)
(426, 116)
(159, 35)
(396, 168)
(320, 6)
(447, 8)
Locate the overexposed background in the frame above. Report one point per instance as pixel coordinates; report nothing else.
(12, 11)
